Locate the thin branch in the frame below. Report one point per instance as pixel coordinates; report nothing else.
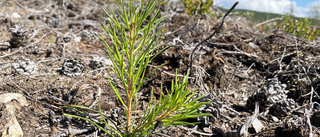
(172, 32)
(25, 92)
(220, 26)
(170, 74)
(244, 128)
(194, 131)
(240, 53)
(298, 57)
(267, 21)
(4, 44)
(307, 114)
(282, 56)
(233, 74)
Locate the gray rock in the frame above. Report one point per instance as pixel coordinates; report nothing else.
(15, 15)
(9, 126)
(257, 125)
(165, 132)
(4, 98)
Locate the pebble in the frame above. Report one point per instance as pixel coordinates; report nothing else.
(15, 15)
(208, 130)
(4, 98)
(8, 117)
(165, 132)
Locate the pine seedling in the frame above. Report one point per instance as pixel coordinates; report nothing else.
(133, 48)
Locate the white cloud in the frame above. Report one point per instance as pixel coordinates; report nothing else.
(313, 7)
(273, 6)
(301, 12)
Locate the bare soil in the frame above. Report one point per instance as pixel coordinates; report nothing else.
(232, 66)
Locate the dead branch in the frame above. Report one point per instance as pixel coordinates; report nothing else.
(244, 128)
(193, 130)
(233, 74)
(220, 26)
(25, 92)
(239, 53)
(5, 44)
(267, 21)
(170, 74)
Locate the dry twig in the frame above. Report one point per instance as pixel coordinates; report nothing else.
(220, 26)
(267, 21)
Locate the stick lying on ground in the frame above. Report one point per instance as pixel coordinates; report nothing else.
(219, 27)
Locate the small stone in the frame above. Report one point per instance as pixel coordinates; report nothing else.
(20, 71)
(165, 132)
(257, 125)
(15, 15)
(208, 130)
(77, 39)
(11, 125)
(4, 98)
(254, 46)
(275, 119)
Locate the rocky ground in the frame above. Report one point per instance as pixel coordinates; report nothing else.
(264, 84)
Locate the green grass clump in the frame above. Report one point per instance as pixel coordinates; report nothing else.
(193, 7)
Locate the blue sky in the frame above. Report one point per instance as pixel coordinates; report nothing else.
(301, 7)
(303, 3)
